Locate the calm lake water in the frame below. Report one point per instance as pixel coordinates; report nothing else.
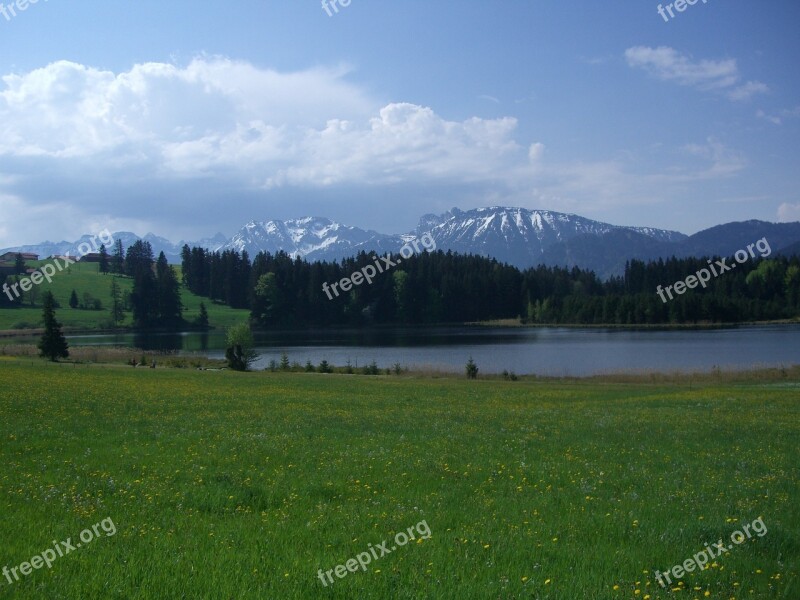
(542, 351)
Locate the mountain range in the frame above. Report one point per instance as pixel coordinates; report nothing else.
(518, 236)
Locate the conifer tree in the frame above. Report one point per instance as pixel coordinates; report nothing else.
(53, 345)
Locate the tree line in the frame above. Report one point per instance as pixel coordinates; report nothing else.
(443, 287)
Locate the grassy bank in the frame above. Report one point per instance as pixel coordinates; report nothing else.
(86, 278)
(225, 485)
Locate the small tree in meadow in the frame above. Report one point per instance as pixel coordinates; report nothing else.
(240, 347)
(53, 345)
(472, 369)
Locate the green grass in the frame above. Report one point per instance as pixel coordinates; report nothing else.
(225, 485)
(86, 277)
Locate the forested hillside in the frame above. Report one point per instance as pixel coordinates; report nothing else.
(438, 287)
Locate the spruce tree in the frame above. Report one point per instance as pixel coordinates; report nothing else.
(118, 258)
(202, 320)
(170, 306)
(117, 314)
(103, 259)
(53, 345)
(19, 265)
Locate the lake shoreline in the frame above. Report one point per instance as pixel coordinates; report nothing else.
(788, 375)
(500, 323)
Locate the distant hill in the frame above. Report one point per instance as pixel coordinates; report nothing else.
(790, 250)
(607, 254)
(725, 240)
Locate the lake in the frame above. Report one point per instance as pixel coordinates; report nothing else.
(553, 351)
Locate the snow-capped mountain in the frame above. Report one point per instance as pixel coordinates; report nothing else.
(519, 236)
(171, 251)
(312, 238)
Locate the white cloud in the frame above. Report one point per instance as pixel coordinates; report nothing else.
(198, 148)
(668, 64)
(217, 115)
(771, 118)
(788, 213)
(777, 119)
(535, 152)
(747, 91)
(723, 161)
(67, 109)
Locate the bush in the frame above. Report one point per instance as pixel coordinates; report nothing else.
(89, 302)
(371, 369)
(509, 376)
(309, 367)
(324, 367)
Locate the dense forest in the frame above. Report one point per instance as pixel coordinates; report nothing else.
(442, 287)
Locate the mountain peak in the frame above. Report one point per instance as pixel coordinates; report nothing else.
(518, 236)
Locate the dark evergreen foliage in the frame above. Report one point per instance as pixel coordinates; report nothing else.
(53, 344)
(104, 261)
(155, 298)
(443, 287)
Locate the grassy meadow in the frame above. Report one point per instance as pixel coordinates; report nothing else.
(86, 277)
(226, 485)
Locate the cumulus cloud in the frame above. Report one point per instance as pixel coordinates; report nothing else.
(668, 64)
(166, 138)
(788, 213)
(404, 141)
(188, 150)
(67, 109)
(217, 115)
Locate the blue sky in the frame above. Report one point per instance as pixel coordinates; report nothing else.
(185, 119)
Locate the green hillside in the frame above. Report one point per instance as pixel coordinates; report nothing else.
(86, 278)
